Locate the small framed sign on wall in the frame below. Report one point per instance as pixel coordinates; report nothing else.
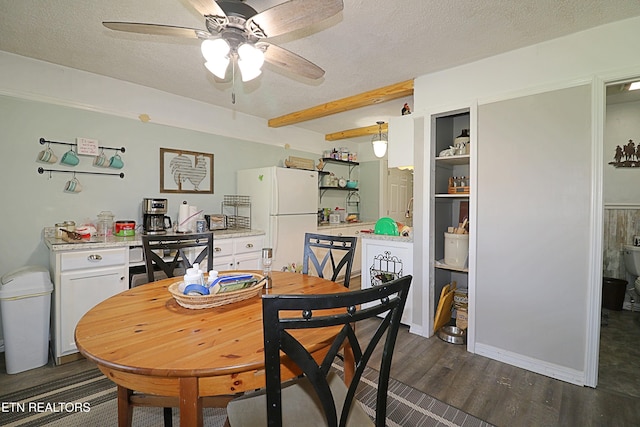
(183, 171)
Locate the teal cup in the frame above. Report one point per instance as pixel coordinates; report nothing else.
(70, 158)
(116, 162)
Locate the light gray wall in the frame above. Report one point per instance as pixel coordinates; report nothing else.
(534, 184)
(597, 55)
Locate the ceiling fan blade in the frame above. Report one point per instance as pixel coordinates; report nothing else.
(208, 8)
(290, 16)
(157, 29)
(290, 61)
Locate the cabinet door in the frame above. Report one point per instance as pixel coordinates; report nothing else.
(223, 263)
(248, 261)
(80, 290)
(352, 232)
(400, 145)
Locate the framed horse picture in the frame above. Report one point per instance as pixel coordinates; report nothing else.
(183, 171)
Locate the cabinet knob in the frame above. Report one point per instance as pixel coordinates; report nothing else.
(249, 245)
(217, 249)
(94, 257)
(339, 234)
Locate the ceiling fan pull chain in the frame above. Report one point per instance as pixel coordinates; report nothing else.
(233, 81)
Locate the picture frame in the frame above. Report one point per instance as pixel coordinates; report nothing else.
(183, 171)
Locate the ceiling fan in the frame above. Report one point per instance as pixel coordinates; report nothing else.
(237, 33)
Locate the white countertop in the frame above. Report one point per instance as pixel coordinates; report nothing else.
(364, 225)
(371, 236)
(95, 242)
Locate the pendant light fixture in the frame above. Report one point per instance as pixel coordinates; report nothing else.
(379, 142)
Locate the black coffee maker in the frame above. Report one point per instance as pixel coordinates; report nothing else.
(154, 219)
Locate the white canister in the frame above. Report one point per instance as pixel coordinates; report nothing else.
(456, 249)
(334, 218)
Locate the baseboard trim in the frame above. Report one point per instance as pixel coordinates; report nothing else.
(530, 364)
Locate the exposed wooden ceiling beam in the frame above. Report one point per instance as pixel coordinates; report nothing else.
(354, 133)
(372, 97)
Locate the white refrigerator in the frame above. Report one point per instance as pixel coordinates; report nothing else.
(284, 203)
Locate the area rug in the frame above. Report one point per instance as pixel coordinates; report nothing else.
(89, 399)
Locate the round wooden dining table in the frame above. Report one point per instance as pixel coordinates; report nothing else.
(144, 341)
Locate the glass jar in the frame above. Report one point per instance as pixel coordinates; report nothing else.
(59, 227)
(105, 224)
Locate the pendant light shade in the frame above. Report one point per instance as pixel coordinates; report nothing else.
(379, 142)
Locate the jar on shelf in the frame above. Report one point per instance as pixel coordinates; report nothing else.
(461, 142)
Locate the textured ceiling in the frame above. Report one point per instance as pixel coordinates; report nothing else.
(370, 44)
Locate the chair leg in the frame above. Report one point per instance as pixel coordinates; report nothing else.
(168, 417)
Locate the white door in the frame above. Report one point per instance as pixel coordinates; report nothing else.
(288, 238)
(399, 193)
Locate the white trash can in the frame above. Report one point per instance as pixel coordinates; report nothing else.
(456, 249)
(25, 304)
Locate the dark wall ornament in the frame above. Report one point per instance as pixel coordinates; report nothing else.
(627, 156)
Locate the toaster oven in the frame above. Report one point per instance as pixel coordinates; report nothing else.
(216, 221)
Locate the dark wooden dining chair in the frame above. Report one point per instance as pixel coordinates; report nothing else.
(180, 250)
(319, 397)
(340, 250)
(186, 247)
(180, 246)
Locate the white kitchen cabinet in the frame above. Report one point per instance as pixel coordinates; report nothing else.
(240, 253)
(352, 232)
(385, 258)
(82, 279)
(400, 147)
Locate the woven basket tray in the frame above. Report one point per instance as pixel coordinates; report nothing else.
(216, 300)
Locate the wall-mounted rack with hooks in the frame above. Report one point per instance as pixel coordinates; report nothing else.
(43, 170)
(73, 144)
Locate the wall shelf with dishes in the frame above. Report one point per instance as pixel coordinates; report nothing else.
(328, 181)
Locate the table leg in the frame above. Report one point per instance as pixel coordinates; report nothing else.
(190, 403)
(125, 410)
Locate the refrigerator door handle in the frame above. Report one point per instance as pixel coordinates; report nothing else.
(274, 236)
(275, 208)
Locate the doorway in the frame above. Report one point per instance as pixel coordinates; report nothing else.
(619, 352)
(400, 195)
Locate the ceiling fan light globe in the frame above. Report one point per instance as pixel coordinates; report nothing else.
(215, 49)
(218, 67)
(251, 55)
(247, 71)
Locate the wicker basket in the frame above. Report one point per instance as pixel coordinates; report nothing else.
(216, 300)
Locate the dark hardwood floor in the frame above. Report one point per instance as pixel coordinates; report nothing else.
(493, 391)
